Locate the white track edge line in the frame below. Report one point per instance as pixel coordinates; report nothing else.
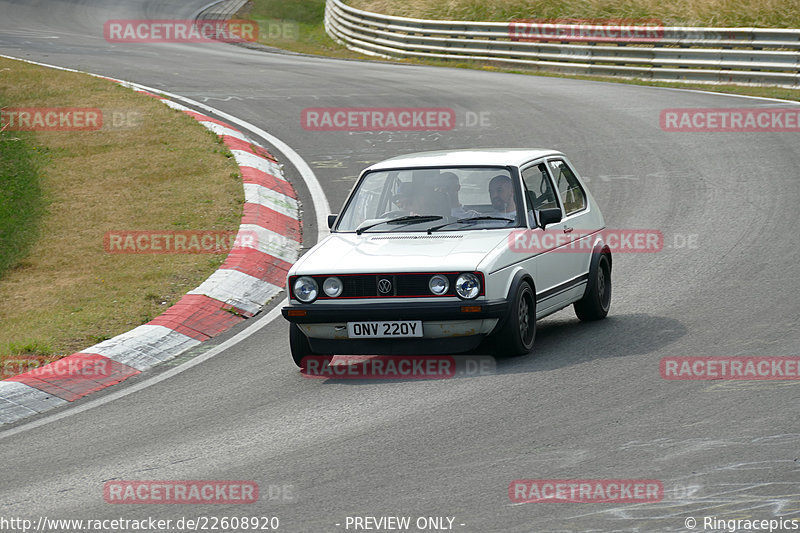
(69, 411)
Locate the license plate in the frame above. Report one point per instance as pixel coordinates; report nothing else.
(385, 329)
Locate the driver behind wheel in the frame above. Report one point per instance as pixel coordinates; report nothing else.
(403, 198)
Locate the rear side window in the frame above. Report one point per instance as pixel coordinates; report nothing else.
(538, 189)
(570, 191)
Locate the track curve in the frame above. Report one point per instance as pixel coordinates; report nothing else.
(588, 403)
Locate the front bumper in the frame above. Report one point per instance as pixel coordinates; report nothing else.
(448, 327)
(316, 313)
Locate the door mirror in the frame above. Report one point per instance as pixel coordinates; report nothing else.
(549, 216)
(332, 220)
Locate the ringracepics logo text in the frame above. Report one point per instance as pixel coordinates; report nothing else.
(180, 31)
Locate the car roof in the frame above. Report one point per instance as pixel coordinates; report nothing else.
(461, 158)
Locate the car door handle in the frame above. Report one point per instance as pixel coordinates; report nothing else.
(567, 229)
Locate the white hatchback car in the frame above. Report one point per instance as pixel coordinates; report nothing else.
(435, 252)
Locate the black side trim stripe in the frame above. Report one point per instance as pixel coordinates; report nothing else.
(558, 289)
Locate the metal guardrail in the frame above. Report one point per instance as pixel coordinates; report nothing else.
(747, 56)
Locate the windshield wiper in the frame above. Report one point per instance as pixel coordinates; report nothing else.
(409, 219)
(466, 220)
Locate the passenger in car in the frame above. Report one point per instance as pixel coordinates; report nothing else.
(501, 193)
(447, 182)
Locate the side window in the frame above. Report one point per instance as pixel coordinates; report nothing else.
(538, 189)
(570, 191)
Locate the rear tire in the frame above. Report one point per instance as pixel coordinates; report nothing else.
(516, 336)
(596, 300)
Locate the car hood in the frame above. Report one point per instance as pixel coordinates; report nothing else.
(344, 253)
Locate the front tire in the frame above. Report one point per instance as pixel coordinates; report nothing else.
(300, 347)
(596, 300)
(516, 336)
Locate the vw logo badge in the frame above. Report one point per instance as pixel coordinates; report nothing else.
(384, 286)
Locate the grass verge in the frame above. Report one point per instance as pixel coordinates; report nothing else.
(148, 168)
(308, 15)
(295, 26)
(718, 13)
(21, 198)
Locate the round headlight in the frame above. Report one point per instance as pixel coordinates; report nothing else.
(468, 285)
(438, 284)
(306, 289)
(332, 287)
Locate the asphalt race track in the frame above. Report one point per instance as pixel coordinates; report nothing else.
(589, 403)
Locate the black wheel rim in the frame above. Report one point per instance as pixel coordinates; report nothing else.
(524, 314)
(603, 285)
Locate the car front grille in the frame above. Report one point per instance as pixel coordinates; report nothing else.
(401, 285)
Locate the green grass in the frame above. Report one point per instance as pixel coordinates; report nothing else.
(62, 191)
(312, 39)
(303, 11)
(21, 197)
(296, 26)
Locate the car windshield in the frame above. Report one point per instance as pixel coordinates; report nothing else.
(443, 199)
